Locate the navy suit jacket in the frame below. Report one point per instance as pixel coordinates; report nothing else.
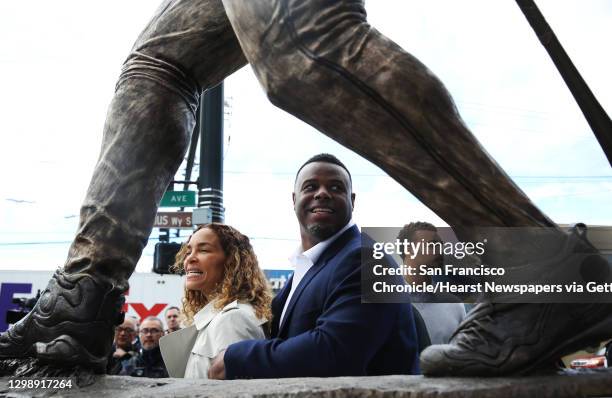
(327, 331)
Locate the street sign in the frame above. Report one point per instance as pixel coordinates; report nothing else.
(179, 219)
(202, 215)
(178, 199)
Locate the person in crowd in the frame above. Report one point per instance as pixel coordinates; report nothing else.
(441, 319)
(148, 361)
(172, 316)
(136, 342)
(123, 346)
(227, 297)
(320, 327)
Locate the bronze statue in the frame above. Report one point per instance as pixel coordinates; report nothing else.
(322, 62)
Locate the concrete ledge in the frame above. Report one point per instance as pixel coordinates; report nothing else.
(568, 384)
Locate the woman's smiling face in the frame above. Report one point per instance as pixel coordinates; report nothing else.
(205, 261)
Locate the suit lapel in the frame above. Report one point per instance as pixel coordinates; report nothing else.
(278, 303)
(330, 252)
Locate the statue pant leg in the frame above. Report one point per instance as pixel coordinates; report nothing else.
(321, 61)
(188, 46)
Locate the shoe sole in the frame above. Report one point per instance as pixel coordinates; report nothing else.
(596, 334)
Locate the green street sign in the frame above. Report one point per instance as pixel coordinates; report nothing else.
(178, 199)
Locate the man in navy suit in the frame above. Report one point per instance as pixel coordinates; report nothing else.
(320, 328)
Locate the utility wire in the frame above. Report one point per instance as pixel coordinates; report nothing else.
(150, 239)
(385, 175)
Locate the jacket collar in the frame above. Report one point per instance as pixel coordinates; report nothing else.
(314, 253)
(338, 244)
(206, 314)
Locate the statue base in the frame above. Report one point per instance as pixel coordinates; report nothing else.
(562, 384)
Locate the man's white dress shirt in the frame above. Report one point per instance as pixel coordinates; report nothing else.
(304, 260)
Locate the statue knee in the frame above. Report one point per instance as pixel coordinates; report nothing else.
(304, 66)
(172, 77)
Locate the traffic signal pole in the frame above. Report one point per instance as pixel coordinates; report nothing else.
(210, 183)
(209, 126)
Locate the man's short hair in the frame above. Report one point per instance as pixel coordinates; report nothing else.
(156, 319)
(325, 158)
(171, 308)
(136, 320)
(409, 229)
(132, 321)
(407, 234)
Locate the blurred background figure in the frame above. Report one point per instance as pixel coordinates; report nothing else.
(441, 319)
(148, 361)
(123, 345)
(172, 315)
(136, 341)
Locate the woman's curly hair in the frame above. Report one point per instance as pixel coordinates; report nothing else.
(243, 280)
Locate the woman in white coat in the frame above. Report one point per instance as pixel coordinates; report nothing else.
(227, 299)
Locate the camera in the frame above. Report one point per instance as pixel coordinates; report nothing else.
(25, 306)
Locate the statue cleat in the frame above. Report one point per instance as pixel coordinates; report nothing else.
(72, 323)
(66, 350)
(506, 339)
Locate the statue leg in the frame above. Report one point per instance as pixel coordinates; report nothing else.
(326, 65)
(188, 46)
(322, 62)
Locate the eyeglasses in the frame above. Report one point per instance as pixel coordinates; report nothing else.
(150, 331)
(125, 330)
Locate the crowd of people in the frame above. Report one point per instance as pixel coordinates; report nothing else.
(136, 351)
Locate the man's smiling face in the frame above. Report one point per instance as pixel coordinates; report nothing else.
(323, 201)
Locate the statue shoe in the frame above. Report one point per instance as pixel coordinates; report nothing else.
(544, 256)
(504, 339)
(72, 323)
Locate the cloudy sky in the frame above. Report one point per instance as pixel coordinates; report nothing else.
(59, 61)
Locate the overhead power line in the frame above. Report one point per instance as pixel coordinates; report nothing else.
(247, 172)
(65, 242)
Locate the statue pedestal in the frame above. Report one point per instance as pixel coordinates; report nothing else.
(596, 383)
